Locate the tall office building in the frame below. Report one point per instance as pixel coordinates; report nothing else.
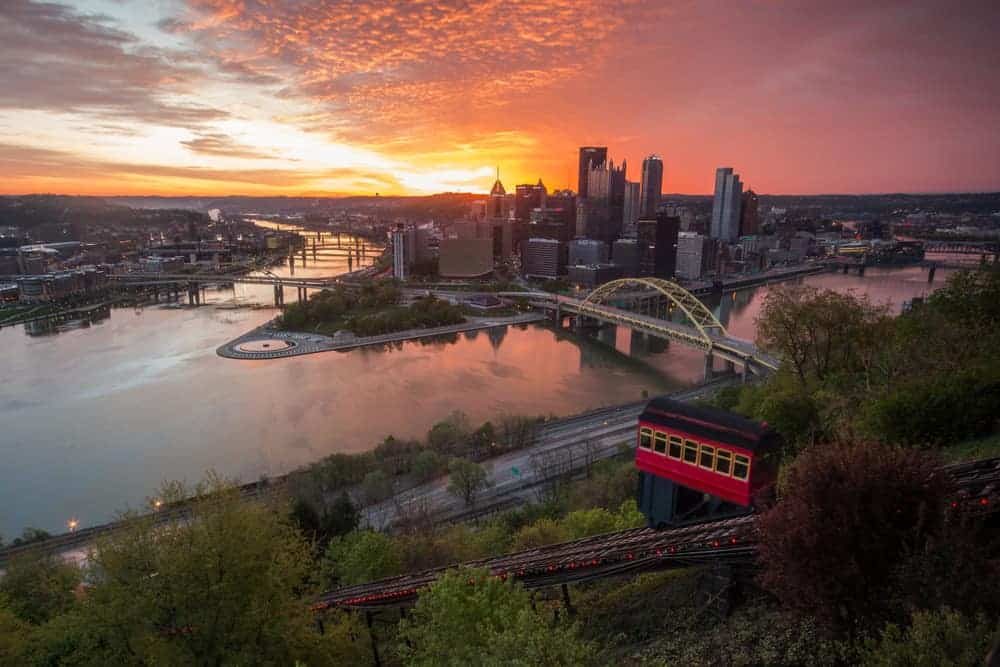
(658, 245)
(400, 262)
(694, 255)
(587, 251)
(630, 212)
(652, 185)
(542, 258)
(590, 157)
(528, 197)
(749, 214)
(726, 205)
(605, 202)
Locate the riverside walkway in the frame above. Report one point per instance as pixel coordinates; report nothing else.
(266, 342)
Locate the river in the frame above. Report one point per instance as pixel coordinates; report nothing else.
(93, 418)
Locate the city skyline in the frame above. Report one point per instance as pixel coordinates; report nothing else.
(213, 97)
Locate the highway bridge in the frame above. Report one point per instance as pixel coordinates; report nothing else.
(635, 550)
(649, 305)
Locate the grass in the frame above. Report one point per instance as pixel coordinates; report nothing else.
(972, 450)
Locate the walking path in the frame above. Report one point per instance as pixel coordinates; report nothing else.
(267, 342)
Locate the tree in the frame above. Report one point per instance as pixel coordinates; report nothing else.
(359, 557)
(428, 465)
(446, 436)
(934, 639)
(468, 617)
(340, 518)
(467, 479)
(820, 333)
(376, 487)
(229, 584)
(38, 586)
(847, 517)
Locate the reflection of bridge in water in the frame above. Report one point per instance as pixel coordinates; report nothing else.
(649, 306)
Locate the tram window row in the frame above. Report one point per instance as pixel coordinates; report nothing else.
(708, 457)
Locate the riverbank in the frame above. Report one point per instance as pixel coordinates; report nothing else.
(269, 342)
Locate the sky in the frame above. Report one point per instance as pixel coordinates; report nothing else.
(263, 97)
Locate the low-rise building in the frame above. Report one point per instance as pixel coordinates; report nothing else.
(590, 276)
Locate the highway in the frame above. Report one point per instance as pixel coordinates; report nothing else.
(561, 447)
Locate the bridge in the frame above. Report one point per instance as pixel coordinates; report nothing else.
(195, 282)
(646, 305)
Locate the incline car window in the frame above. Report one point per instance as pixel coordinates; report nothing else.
(660, 443)
(741, 467)
(645, 438)
(690, 452)
(707, 457)
(675, 448)
(723, 459)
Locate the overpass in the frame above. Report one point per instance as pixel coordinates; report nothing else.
(651, 303)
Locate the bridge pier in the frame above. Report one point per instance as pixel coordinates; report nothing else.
(279, 295)
(930, 273)
(730, 366)
(709, 366)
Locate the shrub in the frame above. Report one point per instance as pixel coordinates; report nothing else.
(468, 617)
(359, 557)
(942, 638)
(847, 518)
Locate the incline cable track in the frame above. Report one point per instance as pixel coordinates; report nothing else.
(611, 554)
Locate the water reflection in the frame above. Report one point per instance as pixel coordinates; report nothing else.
(95, 417)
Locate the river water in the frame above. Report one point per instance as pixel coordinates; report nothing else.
(93, 418)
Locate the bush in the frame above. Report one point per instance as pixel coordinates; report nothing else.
(847, 518)
(943, 638)
(359, 557)
(938, 409)
(38, 587)
(468, 617)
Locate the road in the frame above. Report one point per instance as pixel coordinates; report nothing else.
(562, 446)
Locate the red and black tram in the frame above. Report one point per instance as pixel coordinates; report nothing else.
(700, 462)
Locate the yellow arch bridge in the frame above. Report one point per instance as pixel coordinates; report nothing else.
(643, 305)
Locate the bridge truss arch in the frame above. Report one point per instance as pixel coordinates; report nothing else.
(697, 313)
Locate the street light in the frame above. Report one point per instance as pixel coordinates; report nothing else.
(72, 524)
(157, 504)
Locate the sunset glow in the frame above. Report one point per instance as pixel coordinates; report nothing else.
(209, 97)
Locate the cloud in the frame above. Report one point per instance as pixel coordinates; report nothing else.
(59, 60)
(378, 70)
(225, 146)
(21, 163)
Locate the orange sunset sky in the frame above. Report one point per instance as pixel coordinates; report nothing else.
(193, 97)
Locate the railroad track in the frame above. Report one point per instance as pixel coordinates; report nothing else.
(611, 554)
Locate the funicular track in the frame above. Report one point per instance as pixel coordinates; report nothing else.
(612, 554)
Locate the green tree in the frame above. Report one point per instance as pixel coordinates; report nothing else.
(227, 585)
(428, 465)
(468, 617)
(358, 557)
(942, 638)
(376, 487)
(38, 586)
(340, 518)
(466, 479)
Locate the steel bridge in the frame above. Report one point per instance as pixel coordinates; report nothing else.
(651, 302)
(725, 540)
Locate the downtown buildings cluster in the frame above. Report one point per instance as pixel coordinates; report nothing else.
(610, 227)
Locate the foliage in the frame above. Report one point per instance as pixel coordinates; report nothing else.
(427, 465)
(754, 636)
(358, 557)
(848, 515)
(820, 333)
(228, 584)
(376, 487)
(942, 638)
(29, 536)
(466, 479)
(938, 409)
(37, 586)
(470, 618)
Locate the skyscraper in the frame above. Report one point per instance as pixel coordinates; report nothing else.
(749, 216)
(590, 156)
(652, 185)
(631, 209)
(658, 245)
(726, 205)
(528, 197)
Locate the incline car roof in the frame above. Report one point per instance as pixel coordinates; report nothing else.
(701, 419)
